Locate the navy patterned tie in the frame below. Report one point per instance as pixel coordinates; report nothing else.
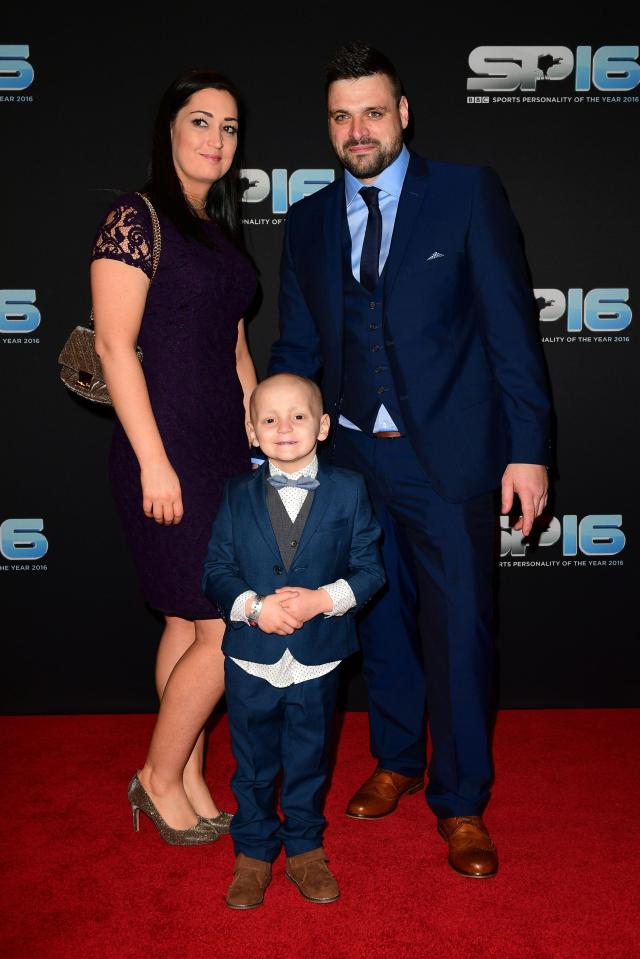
(372, 238)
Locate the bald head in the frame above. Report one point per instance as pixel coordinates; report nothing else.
(286, 420)
(287, 388)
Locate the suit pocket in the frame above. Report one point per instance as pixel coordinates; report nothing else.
(332, 538)
(337, 525)
(442, 261)
(440, 264)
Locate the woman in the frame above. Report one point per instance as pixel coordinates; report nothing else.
(180, 428)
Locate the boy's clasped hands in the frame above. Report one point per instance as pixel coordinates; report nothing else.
(290, 607)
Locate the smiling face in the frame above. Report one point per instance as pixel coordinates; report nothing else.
(204, 137)
(366, 124)
(287, 421)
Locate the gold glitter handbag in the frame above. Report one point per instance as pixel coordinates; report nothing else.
(81, 369)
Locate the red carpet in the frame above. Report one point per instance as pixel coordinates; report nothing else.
(79, 883)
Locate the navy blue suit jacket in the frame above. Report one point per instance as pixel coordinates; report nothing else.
(461, 329)
(338, 542)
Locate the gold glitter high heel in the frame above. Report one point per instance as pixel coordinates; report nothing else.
(221, 823)
(195, 835)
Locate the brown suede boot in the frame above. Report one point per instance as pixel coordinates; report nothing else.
(250, 879)
(312, 876)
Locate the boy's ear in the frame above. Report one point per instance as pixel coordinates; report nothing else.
(325, 423)
(252, 433)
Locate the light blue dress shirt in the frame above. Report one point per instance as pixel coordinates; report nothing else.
(390, 184)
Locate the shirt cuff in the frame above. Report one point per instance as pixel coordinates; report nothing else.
(341, 596)
(237, 610)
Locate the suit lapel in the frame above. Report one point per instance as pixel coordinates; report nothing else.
(258, 498)
(414, 196)
(321, 500)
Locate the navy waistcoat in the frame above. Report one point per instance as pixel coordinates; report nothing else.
(368, 380)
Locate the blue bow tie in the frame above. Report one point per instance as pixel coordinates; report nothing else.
(304, 482)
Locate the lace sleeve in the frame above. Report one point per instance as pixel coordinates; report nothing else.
(125, 234)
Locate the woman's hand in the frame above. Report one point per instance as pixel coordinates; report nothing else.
(161, 493)
(246, 374)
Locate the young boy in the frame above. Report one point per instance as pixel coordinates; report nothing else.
(292, 556)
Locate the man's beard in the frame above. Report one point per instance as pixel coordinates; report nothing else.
(368, 165)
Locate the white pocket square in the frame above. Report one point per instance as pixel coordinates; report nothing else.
(435, 255)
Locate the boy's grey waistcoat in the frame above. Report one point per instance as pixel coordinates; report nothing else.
(287, 533)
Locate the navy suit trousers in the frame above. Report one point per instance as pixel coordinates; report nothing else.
(427, 637)
(274, 729)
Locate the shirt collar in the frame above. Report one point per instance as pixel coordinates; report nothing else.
(310, 469)
(389, 181)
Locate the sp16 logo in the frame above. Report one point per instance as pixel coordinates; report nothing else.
(23, 539)
(284, 190)
(16, 73)
(598, 534)
(17, 311)
(504, 69)
(600, 310)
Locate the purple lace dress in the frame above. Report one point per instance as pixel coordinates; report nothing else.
(188, 337)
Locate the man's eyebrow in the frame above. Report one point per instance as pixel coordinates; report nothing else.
(364, 110)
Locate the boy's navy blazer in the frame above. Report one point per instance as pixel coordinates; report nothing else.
(339, 541)
(460, 321)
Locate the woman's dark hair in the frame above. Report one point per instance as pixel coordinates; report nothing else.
(223, 202)
(357, 59)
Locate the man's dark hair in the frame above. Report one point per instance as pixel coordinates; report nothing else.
(357, 59)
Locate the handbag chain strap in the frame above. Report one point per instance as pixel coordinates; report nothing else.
(157, 236)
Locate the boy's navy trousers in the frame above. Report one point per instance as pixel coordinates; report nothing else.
(274, 729)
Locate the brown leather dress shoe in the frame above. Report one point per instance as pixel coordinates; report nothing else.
(250, 879)
(312, 876)
(380, 794)
(471, 849)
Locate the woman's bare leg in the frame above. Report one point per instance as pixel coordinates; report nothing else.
(193, 779)
(190, 693)
(178, 635)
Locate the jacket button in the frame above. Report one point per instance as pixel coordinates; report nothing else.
(372, 305)
(293, 543)
(277, 570)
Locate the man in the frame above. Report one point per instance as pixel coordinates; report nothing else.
(404, 287)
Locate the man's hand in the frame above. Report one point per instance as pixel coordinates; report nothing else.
(306, 603)
(530, 482)
(274, 618)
